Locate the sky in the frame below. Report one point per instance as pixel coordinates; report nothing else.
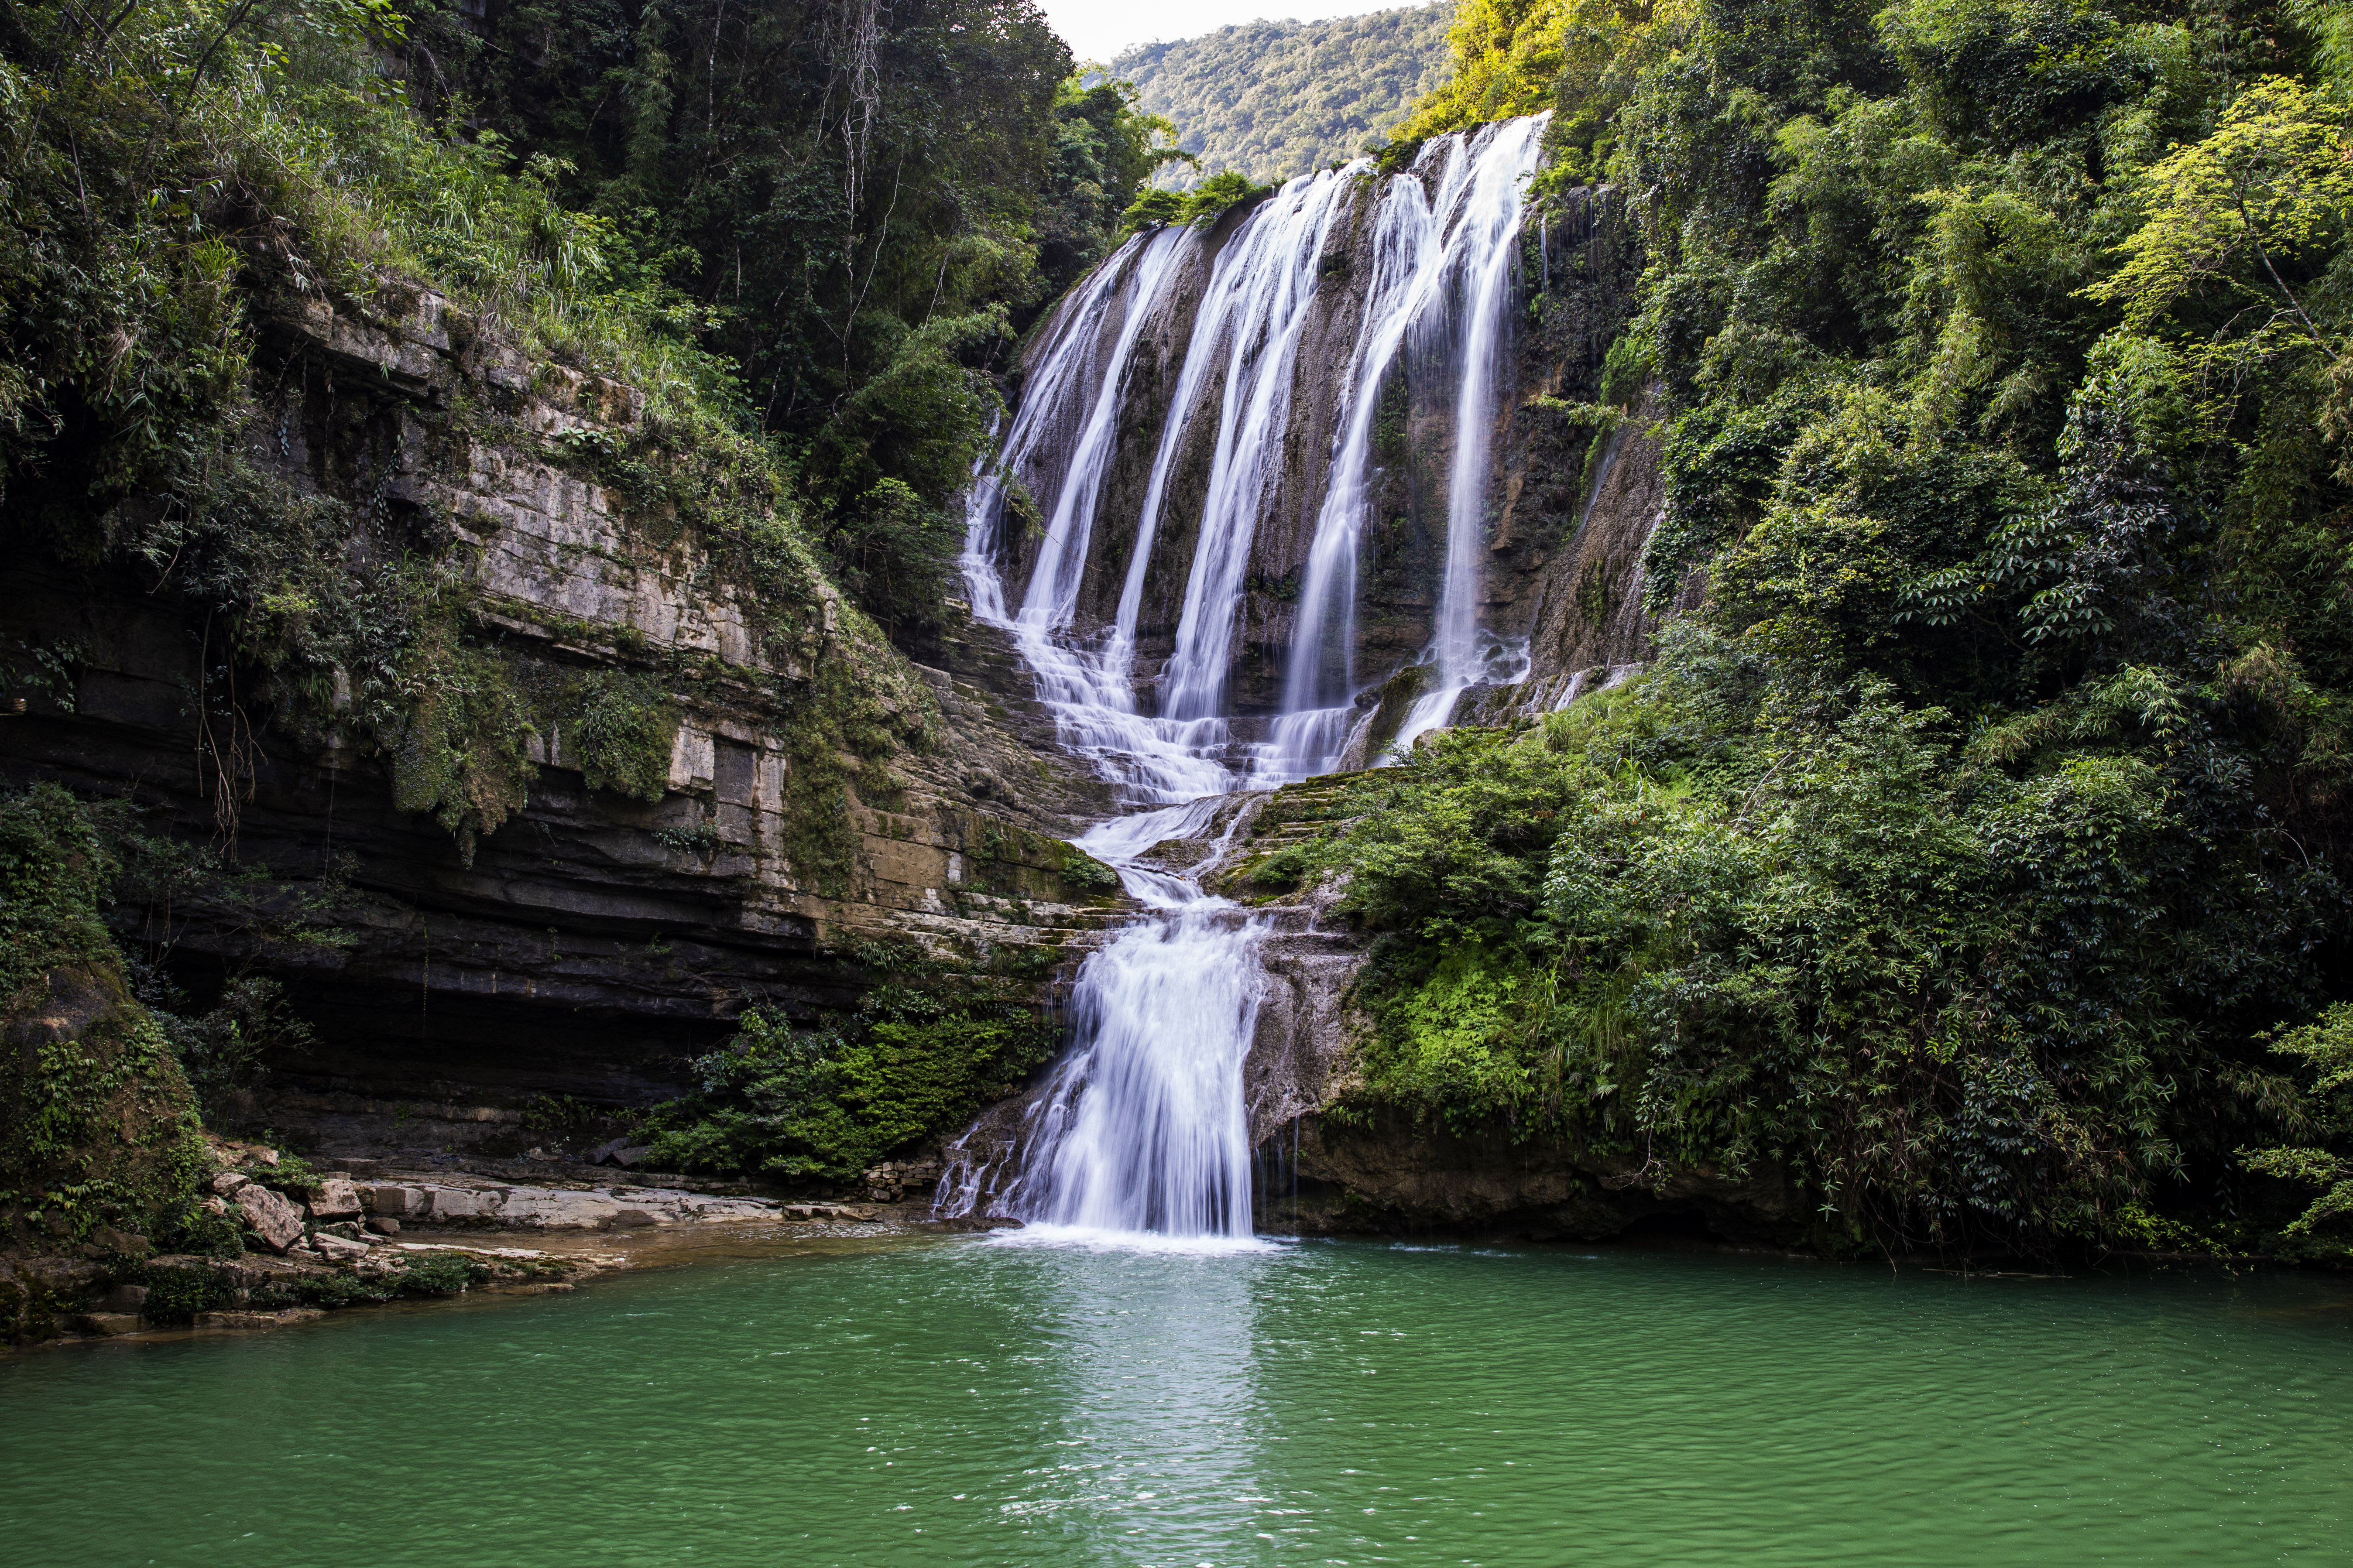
(1098, 29)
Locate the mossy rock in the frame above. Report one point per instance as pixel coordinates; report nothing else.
(97, 1124)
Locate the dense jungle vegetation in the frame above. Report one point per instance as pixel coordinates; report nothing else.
(1975, 852)
(1274, 99)
(819, 249)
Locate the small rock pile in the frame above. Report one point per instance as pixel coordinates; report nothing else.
(312, 1245)
(901, 1180)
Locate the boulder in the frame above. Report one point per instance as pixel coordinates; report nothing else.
(334, 1198)
(229, 1182)
(630, 1158)
(107, 1323)
(392, 1199)
(131, 1299)
(278, 1222)
(604, 1153)
(385, 1225)
(454, 1203)
(335, 1249)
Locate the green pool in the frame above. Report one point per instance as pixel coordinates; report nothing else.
(967, 1400)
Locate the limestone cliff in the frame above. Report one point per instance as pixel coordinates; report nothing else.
(724, 788)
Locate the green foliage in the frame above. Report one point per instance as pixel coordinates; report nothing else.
(621, 729)
(462, 750)
(222, 1049)
(1273, 99)
(441, 1274)
(1084, 874)
(1204, 204)
(2325, 1046)
(332, 1291)
(1732, 921)
(97, 1124)
(830, 1103)
(1580, 59)
(176, 1294)
(53, 871)
(854, 717)
(1105, 148)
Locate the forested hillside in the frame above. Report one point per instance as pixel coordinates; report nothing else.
(1974, 848)
(1271, 99)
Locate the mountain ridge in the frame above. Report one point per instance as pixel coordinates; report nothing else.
(1276, 99)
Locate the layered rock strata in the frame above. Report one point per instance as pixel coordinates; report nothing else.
(595, 940)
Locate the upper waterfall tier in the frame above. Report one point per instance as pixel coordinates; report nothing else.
(1257, 467)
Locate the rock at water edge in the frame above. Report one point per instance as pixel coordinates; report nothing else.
(335, 1198)
(278, 1222)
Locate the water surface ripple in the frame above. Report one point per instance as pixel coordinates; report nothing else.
(966, 1401)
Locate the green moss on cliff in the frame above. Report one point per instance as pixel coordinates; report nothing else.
(97, 1124)
(622, 728)
(830, 1103)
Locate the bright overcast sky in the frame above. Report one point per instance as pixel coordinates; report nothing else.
(1098, 29)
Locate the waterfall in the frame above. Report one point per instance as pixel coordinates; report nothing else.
(1087, 686)
(1491, 224)
(1142, 1127)
(1271, 279)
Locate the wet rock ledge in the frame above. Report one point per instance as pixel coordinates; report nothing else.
(291, 1242)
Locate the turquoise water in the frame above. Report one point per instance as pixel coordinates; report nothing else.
(966, 1401)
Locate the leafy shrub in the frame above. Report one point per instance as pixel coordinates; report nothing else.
(2327, 1046)
(334, 1290)
(441, 1274)
(222, 1049)
(830, 1103)
(96, 1123)
(175, 1295)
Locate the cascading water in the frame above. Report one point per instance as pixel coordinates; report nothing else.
(1445, 229)
(1084, 683)
(1491, 220)
(1271, 280)
(1142, 1126)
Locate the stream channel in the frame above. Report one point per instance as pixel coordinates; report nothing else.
(988, 1400)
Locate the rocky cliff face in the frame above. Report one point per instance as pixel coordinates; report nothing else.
(1572, 508)
(1392, 1177)
(809, 814)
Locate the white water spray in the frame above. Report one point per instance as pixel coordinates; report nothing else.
(1142, 1127)
(1492, 219)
